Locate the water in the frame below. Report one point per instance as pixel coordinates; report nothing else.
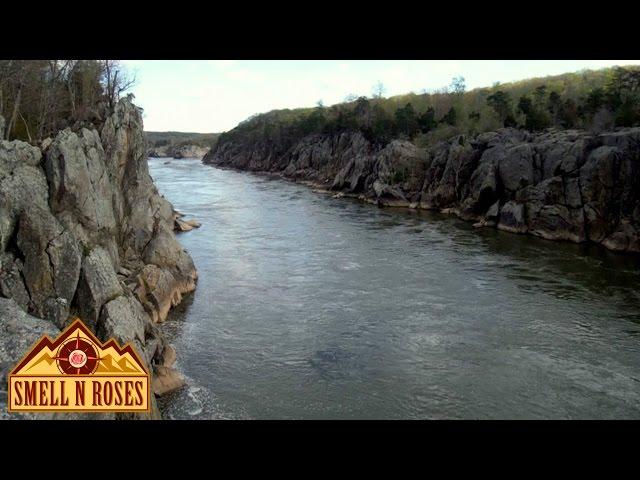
(313, 307)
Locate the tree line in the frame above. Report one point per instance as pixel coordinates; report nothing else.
(593, 100)
(40, 97)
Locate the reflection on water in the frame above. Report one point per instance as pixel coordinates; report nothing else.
(313, 307)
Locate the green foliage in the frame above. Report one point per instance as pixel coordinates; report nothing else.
(568, 115)
(406, 121)
(383, 126)
(535, 116)
(450, 117)
(500, 101)
(427, 121)
(570, 100)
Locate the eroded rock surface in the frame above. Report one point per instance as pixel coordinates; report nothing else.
(560, 185)
(84, 232)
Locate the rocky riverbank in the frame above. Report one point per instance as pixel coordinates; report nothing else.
(559, 184)
(84, 232)
(178, 151)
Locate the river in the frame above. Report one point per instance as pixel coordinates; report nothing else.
(312, 307)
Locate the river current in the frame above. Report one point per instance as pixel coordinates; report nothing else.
(313, 307)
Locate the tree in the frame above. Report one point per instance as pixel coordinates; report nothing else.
(379, 90)
(474, 119)
(554, 105)
(450, 117)
(406, 120)
(40, 97)
(427, 121)
(568, 114)
(535, 117)
(622, 93)
(594, 100)
(458, 85)
(383, 127)
(500, 101)
(525, 105)
(539, 94)
(116, 81)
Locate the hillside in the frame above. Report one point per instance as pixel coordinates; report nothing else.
(590, 99)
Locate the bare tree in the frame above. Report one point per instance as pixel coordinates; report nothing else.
(458, 85)
(116, 81)
(39, 97)
(21, 73)
(379, 90)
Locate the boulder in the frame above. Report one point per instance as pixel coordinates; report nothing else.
(98, 285)
(166, 380)
(512, 218)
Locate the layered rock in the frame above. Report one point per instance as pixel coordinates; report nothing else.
(84, 232)
(560, 185)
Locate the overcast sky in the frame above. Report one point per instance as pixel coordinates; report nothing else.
(215, 95)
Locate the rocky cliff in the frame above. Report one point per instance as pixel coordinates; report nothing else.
(84, 232)
(560, 185)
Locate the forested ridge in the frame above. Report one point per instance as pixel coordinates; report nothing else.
(592, 100)
(162, 139)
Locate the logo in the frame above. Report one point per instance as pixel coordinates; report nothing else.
(77, 373)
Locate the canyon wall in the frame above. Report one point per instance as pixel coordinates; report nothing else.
(84, 232)
(558, 184)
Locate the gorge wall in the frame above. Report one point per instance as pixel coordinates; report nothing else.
(84, 232)
(560, 185)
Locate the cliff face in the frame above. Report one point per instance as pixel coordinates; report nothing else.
(560, 185)
(83, 231)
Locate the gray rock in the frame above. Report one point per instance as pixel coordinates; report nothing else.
(98, 285)
(51, 261)
(68, 224)
(512, 218)
(80, 190)
(559, 184)
(11, 280)
(124, 319)
(18, 333)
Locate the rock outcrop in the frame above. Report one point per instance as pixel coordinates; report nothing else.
(560, 185)
(178, 151)
(84, 232)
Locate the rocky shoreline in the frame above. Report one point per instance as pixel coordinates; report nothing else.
(178, 151)
(84, 232)
(566, 185)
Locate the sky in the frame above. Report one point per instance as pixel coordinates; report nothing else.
(215, 95)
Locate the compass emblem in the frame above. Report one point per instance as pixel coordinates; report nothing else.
(77, 356)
